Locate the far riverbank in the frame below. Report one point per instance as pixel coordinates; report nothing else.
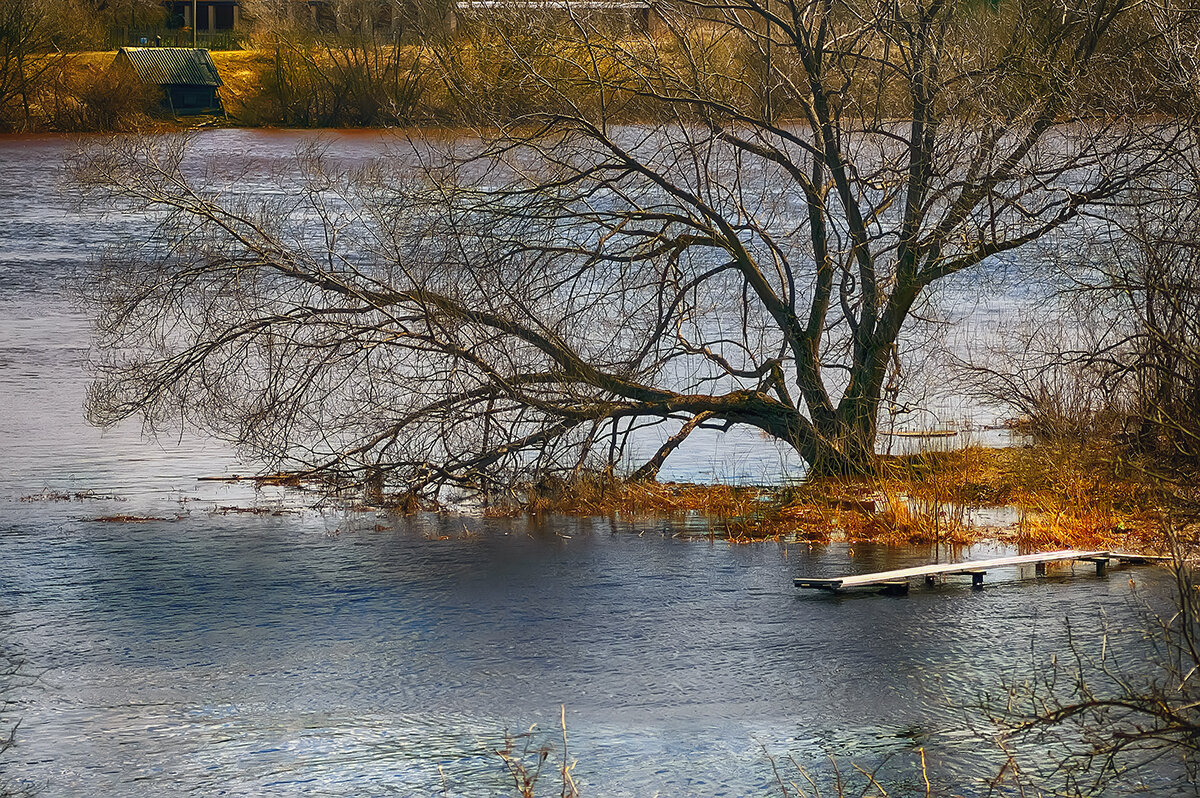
(481, 79)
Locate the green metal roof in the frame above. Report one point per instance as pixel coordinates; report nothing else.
(166, 66)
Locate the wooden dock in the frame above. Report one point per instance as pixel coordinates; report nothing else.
(897, 581)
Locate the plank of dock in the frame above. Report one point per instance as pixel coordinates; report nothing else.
(976, 568)
(1141, 559)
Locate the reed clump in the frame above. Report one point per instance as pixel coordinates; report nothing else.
(1085, 494)
(734, 512)
(1062, 493)
(1041, 496)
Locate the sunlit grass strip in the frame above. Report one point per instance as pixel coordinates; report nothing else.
(1062, 495)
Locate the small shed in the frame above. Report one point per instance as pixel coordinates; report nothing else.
(188, 77)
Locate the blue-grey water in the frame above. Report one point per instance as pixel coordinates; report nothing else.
(247, 643)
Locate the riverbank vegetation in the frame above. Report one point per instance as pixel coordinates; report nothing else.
(502, 63)
(1048, 495)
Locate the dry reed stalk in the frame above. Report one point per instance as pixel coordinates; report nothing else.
(1062, 498)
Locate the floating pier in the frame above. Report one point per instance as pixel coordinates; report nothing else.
(897, 581)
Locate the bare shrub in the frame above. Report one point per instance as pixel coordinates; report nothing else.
(1154, 283)
(1115, 355)
(105, 101)
(351, 82)
(1109, 721)
(1042, 369)
(34, 35)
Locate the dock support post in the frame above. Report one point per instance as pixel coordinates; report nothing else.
(1101, 567)
(1039, 569)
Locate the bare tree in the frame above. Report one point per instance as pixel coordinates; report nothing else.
(726, 220)
(356, 73)
(1148, 288)
(33, 36)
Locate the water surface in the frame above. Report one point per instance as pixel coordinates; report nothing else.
(247, 643)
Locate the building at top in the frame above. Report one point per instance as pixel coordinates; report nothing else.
(187, 77)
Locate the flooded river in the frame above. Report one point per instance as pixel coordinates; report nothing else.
(248, 644)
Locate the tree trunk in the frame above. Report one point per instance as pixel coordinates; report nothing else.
(850, 452)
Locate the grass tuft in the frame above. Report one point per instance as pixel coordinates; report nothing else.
(1045, 496)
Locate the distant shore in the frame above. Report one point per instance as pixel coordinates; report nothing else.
(368, 86)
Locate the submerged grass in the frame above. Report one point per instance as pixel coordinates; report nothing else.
(1037, 497)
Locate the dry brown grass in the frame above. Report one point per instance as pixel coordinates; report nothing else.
(241, 71)
(491, 75)
(1064, 494)
(1059, 495)
(816, 511)
(1082, 495)
(729, 511)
